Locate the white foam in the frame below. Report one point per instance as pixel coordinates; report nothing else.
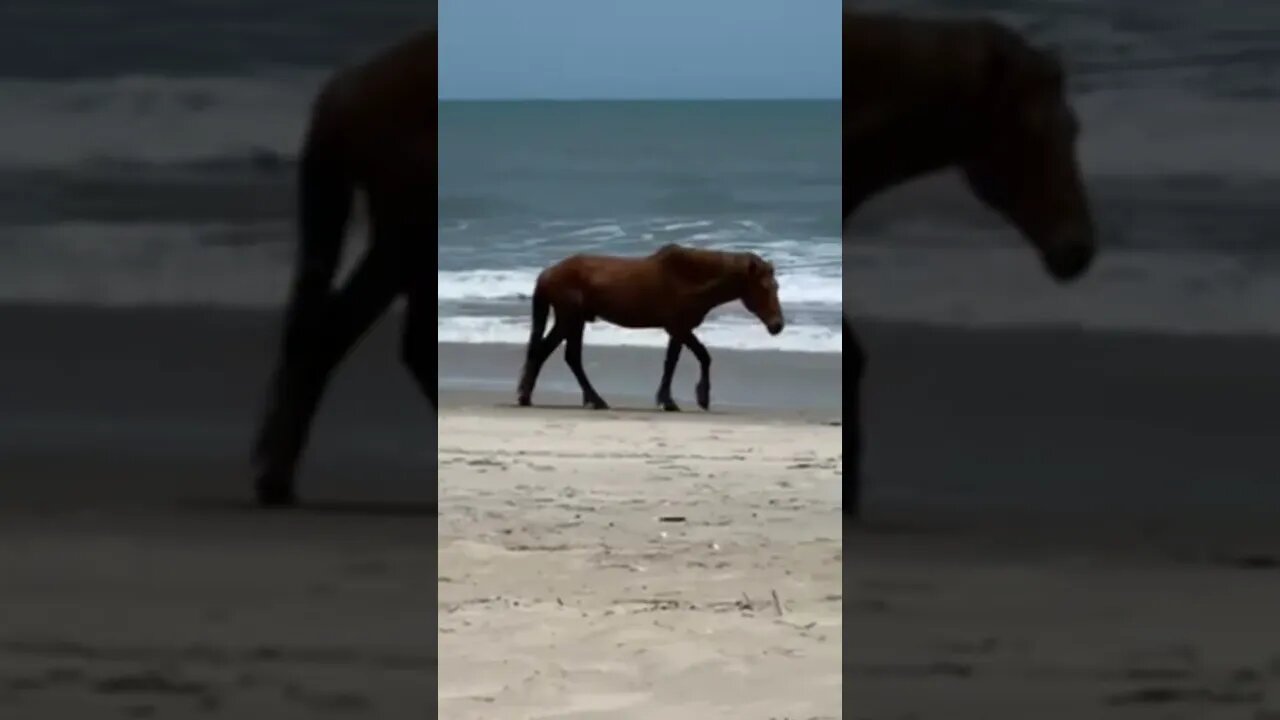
(731, 333)
(1153, 131)
(146, 264)
(1125, 290)
(684, 225)
(151, 118)
(163, 264)
(514, 284)
(610, 231)
(466, 285)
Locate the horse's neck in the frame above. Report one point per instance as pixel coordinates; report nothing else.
(717, 290)
(708, 284)
(918, 118)
(895, 145)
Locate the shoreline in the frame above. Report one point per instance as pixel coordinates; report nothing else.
(626, 561)
(958, 421)
(756, 382)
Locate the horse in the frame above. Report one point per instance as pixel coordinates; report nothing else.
(673, 288)
(371, 128)
(923, 95)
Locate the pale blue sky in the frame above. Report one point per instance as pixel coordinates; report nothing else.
(639, 49)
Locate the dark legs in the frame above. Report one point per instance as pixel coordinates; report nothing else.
(317, 338)
(854, 370)
(665, 401)
(418, 344)
(569, 330)
(573, 357)
(704, 380)
(857, 359)
(539, 351)
(668, 370)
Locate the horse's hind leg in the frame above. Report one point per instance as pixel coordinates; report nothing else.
(704, 379)
(664, 398)
(309, 357)
(854, 370)
(573, 356)
(536, 357)
(418, 343)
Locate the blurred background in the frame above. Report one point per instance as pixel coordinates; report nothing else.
(1180, 148)
(147, 155)
(1149, 386)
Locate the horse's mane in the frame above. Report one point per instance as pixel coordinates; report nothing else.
(693, 261)
(980, 49)
(709, 270)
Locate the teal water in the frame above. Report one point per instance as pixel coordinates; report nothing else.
(525, 184)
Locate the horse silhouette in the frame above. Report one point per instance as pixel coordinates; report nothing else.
(673, 288)
(921, 95)
(372, 128)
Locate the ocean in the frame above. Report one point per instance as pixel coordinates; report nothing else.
(523, 185)
(149, 162)
(147, 150)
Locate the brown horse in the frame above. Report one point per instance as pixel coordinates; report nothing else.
(372, 128)
(673, 289)
(924, 95)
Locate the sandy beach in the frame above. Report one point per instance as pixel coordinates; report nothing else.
(638, 565)
(137, 580)
(1057, 623)
(1062, 524)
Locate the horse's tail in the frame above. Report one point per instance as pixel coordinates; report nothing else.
(541, 309)
(326, 193)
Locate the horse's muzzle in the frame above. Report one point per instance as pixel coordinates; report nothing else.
(775, 326)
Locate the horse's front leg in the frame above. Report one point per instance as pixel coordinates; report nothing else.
(665, 401)
(573, 356)
(854, 370)
(704, 379)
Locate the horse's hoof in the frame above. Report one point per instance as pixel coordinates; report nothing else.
(669, 406)
(596, 404)
(524, 401)
(276, 495)
(704, 397)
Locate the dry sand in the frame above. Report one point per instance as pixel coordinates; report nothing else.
(638, 565)
(1054, 623)
(215, 611)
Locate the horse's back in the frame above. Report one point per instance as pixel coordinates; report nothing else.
(657, 274)
(621, 290)
(588, 268)
(380, 115)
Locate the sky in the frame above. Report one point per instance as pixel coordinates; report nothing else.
(639, 49)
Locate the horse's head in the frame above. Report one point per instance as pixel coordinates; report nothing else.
(760, 292)
(1024, 164)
